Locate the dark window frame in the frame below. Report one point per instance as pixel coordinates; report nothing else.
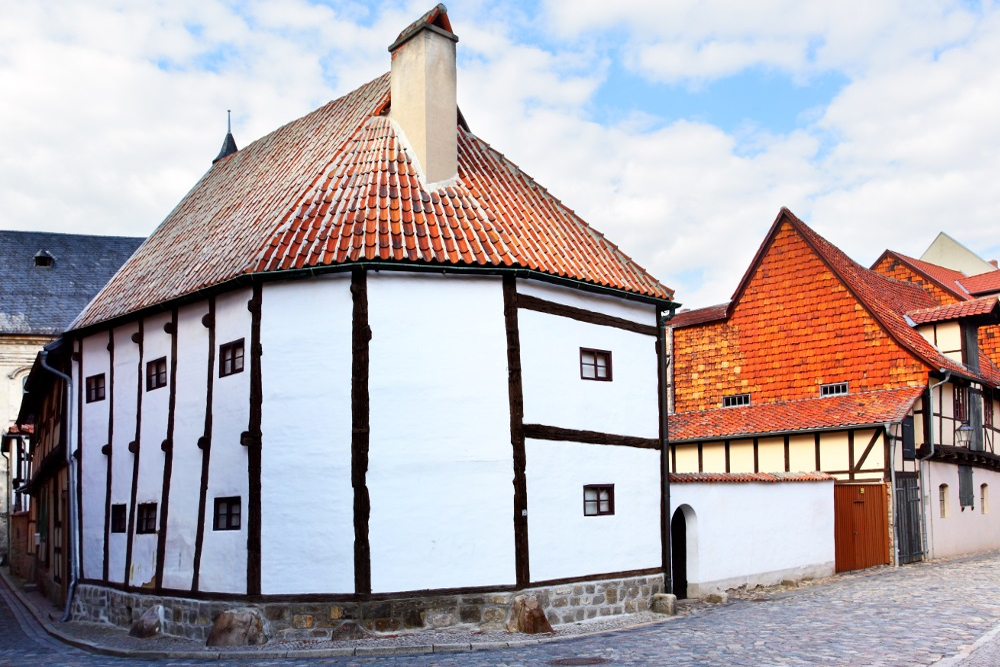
(597, 355)
(156, 374)
(736, 400)
(145, 521)
(592, 507)
(834, 389)
(960, 398)
(966, 487)
(988, 408)
(227, 519)
(119, 518)
(229, 354)
(96, 388)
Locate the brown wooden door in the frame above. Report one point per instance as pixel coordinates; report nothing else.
(861, 526)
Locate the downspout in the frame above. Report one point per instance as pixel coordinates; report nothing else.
(74, 556)
(8, 492)
(662, 360)
(892, 482)
(920, 462)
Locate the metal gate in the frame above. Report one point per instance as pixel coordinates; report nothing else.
(861, 526)
(908, 517)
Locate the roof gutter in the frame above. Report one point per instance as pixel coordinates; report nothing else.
(74, 543)
(922, 460)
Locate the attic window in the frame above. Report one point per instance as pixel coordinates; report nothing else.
(44, 258)
(735, 400)
(156, 374)
(833, 389)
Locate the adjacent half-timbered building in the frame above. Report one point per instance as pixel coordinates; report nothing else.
(820, 365)
(367, 360)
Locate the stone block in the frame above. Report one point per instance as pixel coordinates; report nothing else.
(413, 618)
(599, 599)
(590, 589)
(302, 621)
(470, 614)
(348, 630)
(148, 624)
(611, 595)
(578, 589)
(244, 626)
(375, 610)
(717, 598)
(439, 619)
(492, 614)
(385, 625)
(336, 613)
(527, 616)
(665, 603)
(560, 602)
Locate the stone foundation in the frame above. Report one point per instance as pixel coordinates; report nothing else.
(183, 617)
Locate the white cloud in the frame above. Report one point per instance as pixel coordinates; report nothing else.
(110, 115)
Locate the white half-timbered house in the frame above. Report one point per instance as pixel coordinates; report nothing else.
(368, 359)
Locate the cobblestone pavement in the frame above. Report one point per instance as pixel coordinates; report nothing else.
(924, 614)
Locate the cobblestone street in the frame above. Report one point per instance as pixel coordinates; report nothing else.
(918, 615)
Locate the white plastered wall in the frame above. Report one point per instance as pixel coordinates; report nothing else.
(307, 526)
(224, 552)
(93, 463)
(156, 343)
(189, 425)
(961, 531)
(562, 542)
(756, 533)
(125, 393)
(440, 465)
(554, 394)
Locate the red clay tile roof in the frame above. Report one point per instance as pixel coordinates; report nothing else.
(337, 187)
(687, 318)
(956, 311)
(983, 283)
(737, 477)
(947, 279)
(849, 410)
(885, 298)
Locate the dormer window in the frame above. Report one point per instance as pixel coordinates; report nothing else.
(44, 258)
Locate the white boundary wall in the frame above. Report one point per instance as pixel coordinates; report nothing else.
(962, 532)
(755, 533)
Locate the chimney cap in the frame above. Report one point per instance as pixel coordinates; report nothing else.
(436, 20)
(229, 143)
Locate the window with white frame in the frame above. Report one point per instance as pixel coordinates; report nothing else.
(735, 400)
(833, 389)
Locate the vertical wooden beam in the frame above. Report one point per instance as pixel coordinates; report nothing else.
(515, 394)
(254, 445)
(701, 459)
(788, 455)
(110, 390)
(205, 444)
(361, 335)
(727, 455)
(851, 463)
(168, 456)
(134, 448)
(816, 439)
(756, 456)
(666, 536)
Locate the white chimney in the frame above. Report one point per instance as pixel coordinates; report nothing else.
(424, 102)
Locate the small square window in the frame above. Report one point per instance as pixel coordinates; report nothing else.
(119, 518)
(227, 513)
(95, 388)
(598, 499)
(156, 374)
(595, 365)
(735, 400)
(834, 389)
(146, 519)
(231, 358)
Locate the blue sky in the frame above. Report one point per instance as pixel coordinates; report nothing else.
(678, 129)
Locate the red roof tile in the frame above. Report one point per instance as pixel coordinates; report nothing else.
(687, 318)
(850, 410)
(956, 311)
(947, 279)
(983, 283)
(737, 477)
(338, 187)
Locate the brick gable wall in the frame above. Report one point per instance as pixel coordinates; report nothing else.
(795, 327)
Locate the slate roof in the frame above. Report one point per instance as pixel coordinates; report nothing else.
(337, 187)
(43, 300)
(845, 411)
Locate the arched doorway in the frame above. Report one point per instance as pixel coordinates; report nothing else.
(678, 553)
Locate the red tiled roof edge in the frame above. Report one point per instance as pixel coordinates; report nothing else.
(704, 315)
(872, 408)
(735, 478)
(982, 283)
(956, 311)
(932, 272)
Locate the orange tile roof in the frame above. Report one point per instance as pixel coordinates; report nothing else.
(810, 414)
(688, 318)
(957, 311)
(738, 477)
(945, 278)
(983, 283)
(337, 187)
